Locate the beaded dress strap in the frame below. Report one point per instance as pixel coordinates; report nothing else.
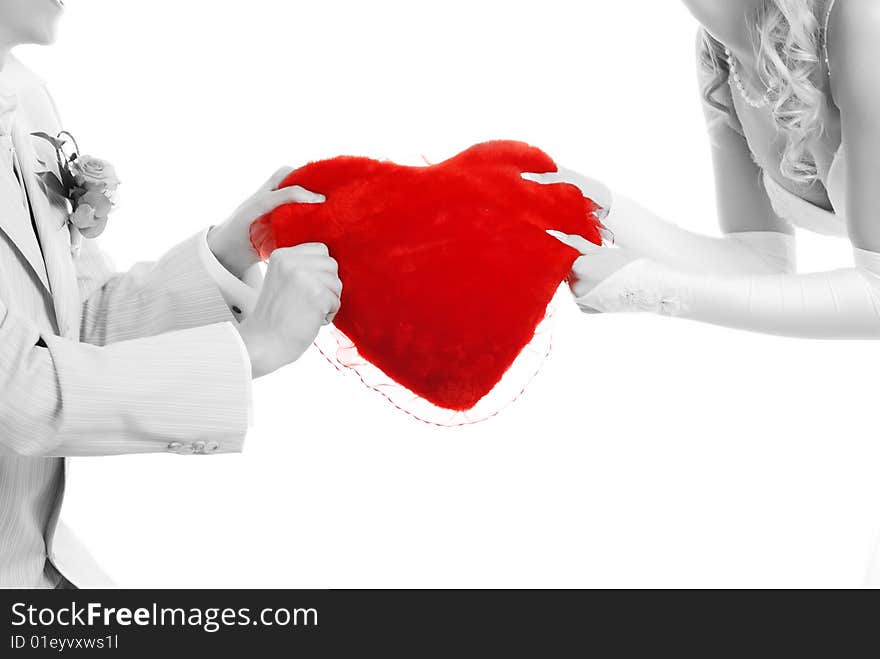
(825, 36)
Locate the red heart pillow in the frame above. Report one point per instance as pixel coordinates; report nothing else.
(447, 269)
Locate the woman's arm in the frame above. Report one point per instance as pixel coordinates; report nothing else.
(741, 199)
(839, 304)
(844, 304)
(642, 233)
(854, 54)
(756, 241)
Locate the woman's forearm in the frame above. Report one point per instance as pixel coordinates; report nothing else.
(843, 304)
(646, 234)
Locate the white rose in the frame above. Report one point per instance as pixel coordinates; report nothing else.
(92, 173)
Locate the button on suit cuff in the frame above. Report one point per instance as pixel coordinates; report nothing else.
(195, 448)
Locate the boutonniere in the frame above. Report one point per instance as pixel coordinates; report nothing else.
(86, 186)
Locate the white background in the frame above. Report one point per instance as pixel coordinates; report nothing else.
(649, 452)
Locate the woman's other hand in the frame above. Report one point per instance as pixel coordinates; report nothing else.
(230, 242)
(595, 265)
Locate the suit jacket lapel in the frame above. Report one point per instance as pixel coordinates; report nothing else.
(54, 239)
(16, 224)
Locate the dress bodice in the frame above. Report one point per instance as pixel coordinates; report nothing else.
(805, 215)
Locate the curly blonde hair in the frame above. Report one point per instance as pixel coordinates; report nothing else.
(788, 45)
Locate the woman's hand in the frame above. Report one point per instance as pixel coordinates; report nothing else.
(596, 263)
(594, 190)
(595, 266)
(230, 242)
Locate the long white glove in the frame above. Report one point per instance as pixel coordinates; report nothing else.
(644, 233)
(742, 281)
(843, 304)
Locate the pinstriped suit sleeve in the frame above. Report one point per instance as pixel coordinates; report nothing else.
(186, 288)
(177, 292)
(73, 399)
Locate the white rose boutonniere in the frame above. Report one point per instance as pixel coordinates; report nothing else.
(85, 185)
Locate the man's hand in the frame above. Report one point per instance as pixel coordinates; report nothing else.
(230, 242)
(301, 292)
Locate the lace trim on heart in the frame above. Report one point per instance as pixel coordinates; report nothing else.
(340, 351)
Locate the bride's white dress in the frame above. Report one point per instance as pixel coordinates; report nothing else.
(810, 217)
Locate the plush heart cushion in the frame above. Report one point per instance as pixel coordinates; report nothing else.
(447, 269)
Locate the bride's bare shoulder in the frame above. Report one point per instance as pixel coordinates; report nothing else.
(853, 51)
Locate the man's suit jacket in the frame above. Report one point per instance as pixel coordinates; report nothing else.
(94, 362)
